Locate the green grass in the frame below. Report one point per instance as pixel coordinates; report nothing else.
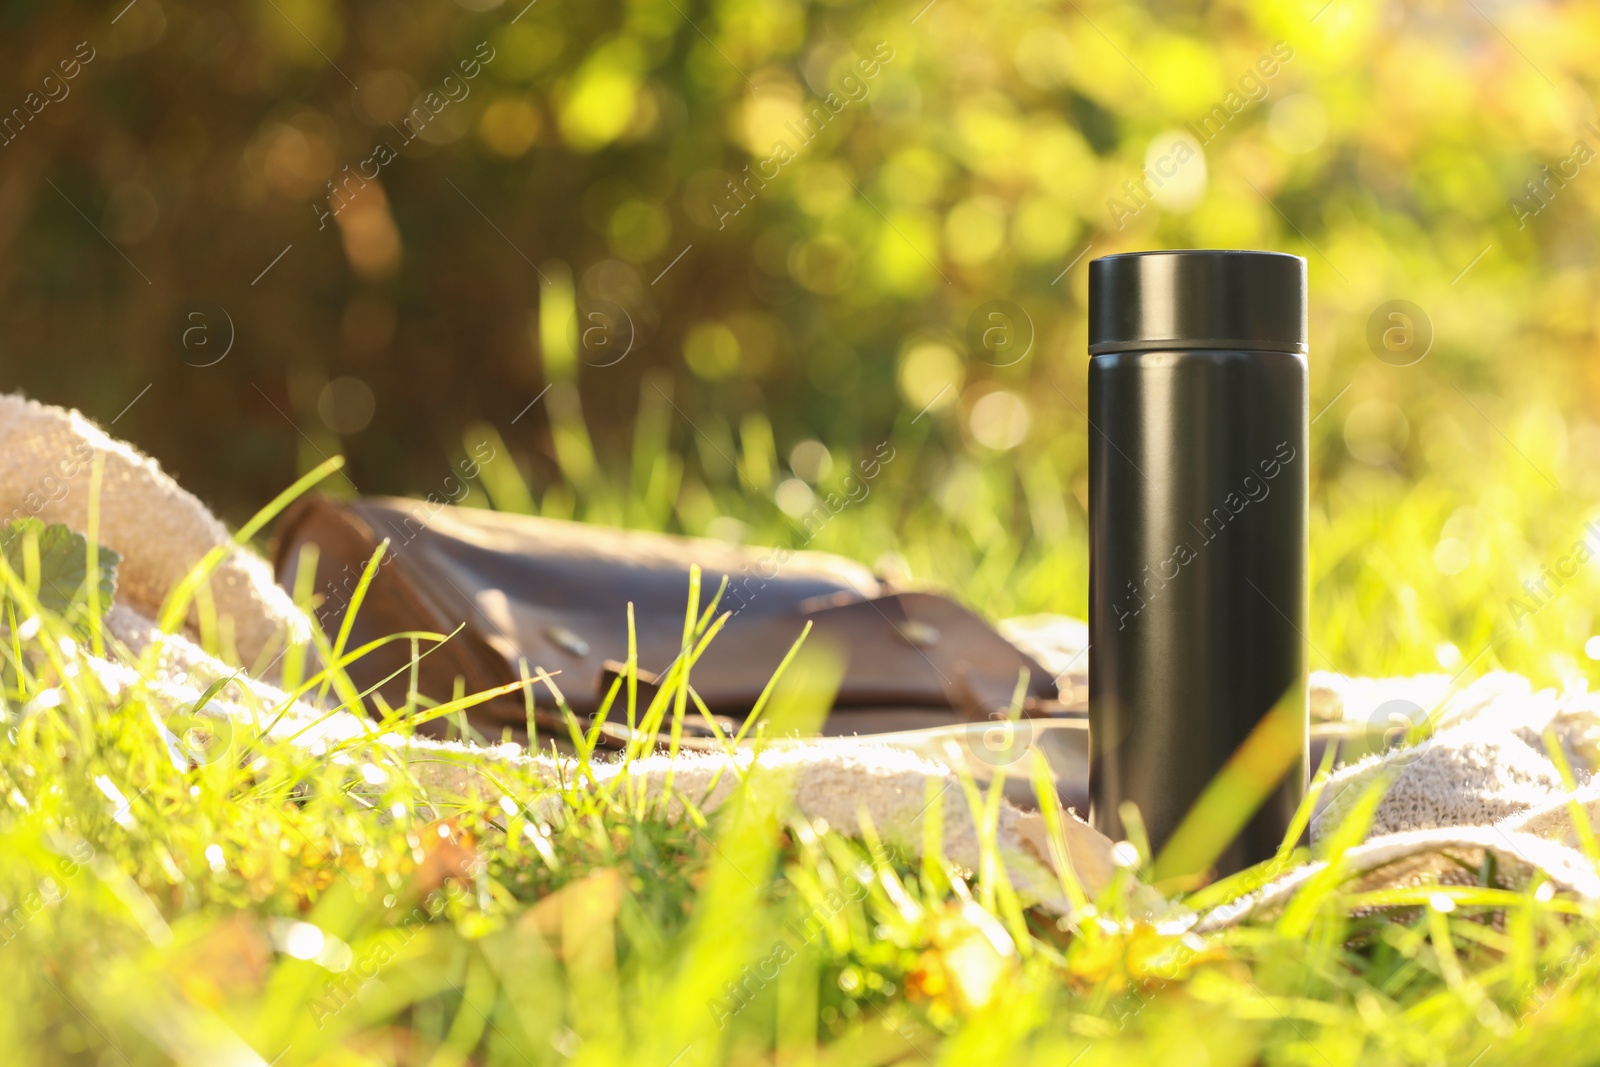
(1417, 560)
(249, 901)
(244, 900)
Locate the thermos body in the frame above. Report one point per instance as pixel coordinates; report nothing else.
(1198, 482)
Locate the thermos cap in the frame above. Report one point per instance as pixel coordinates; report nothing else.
(1199, 298)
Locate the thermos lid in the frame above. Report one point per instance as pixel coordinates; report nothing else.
(1199, 298)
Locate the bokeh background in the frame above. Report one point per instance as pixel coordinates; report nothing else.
(249, 235)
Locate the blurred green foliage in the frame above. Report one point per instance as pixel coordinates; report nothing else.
(594, 201)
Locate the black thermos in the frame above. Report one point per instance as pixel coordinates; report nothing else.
(1197, 544)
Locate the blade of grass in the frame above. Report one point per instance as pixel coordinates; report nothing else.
(368, 573)
(91, 538)
(176, 608)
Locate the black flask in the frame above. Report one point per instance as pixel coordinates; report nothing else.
(1197, 589)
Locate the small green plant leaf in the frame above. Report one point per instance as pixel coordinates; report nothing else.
(63, 567)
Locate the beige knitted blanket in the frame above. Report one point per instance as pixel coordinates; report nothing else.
(1483, 783)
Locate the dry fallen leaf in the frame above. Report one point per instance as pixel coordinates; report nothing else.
(591, 903)
(229, 960)
(448, 854)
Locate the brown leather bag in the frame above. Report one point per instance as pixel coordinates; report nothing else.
(555, 595)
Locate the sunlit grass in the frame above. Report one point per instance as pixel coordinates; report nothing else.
(1418, 561)
(240, 899)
